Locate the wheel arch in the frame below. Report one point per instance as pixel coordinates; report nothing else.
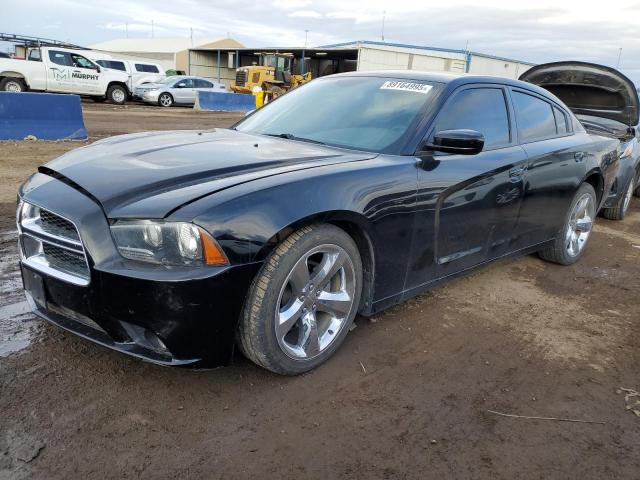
(119, 84)
(357, 227)
(595, 178)
(12, 74)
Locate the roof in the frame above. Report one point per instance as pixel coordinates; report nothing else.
(358, 43)
(163, 44)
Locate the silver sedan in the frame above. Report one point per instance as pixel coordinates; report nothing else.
(178, 89)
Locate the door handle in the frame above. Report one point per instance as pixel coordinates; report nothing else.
(578, 156)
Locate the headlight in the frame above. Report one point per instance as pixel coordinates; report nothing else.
(170, 243)
(627, 151)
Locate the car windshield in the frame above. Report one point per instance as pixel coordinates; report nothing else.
(363, 113)
(169, 80)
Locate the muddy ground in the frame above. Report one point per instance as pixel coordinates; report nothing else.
(407, 396)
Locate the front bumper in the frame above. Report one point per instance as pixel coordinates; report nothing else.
(190, 322)
(147, 95)
(170, 316)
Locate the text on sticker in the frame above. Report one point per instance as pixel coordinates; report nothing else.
(406, 86)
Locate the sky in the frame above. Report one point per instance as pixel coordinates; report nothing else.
(535, 31)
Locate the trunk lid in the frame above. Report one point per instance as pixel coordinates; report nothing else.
(589, 89)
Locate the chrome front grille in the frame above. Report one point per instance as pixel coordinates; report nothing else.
(51, 244)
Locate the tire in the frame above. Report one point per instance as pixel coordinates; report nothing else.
(117, 94)
(568, 245)
(637, 190)
(288, 348)
(620, 210)
(165, 99)
(15, 85)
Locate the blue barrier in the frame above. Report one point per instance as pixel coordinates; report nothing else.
(45, 116)
(225, 102)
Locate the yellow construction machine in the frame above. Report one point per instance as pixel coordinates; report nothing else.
(272, 74)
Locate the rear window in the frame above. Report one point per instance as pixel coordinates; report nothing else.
(535, 117)
(113, 64)
(146, 68)
(202, 83)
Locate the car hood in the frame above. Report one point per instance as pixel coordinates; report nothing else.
(589, 89)
(149, 175)
(151, 85)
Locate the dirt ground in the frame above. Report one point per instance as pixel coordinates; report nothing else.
(408, 395)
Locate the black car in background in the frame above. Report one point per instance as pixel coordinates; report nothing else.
(606, 103)
(347, 195)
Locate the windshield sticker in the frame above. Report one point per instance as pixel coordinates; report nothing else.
(406, 86)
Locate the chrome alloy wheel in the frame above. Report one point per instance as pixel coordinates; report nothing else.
(315, 302)
(628, 195)
(580, 225)
(165, 100)
(118, 96)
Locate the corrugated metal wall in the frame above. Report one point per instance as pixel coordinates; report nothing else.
(496, 67)
(410, 59)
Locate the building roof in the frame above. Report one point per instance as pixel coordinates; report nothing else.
(389, 45)
(163, 44)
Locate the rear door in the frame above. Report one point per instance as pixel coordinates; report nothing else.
(556, 155)
(59, 67)
(469, 203)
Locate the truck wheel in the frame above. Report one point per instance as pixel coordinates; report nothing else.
(117, 94)
(165, 100)
(620, 210)
(302, 302)
(14, 85)
(571, 240)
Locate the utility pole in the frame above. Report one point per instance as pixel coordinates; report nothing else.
(306, 35)
(152, 29)
(191, 35)
(619, 55)
(384, 14)
(126, 30)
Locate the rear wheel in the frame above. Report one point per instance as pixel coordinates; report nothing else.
(302, 301)
(117, 94)
(620, 210)
(572, 238)
(165, 100)
(14, 85)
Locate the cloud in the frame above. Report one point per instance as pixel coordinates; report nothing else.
(291, 4)
(305, 14)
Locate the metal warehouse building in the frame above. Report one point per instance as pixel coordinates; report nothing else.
(220, 63)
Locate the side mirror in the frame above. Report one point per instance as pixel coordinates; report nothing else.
(461, 142)
(98, 69)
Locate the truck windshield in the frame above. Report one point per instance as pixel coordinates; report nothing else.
(363, 113)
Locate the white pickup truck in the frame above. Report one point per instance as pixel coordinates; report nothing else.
(53, 69)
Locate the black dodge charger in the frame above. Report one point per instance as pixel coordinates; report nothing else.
(347, 195)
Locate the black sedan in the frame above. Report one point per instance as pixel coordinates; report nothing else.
(345, 196)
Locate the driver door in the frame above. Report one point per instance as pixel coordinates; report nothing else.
(85, 75)
(184, 91)
(468, 205)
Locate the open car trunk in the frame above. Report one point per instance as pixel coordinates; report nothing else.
(599, 96)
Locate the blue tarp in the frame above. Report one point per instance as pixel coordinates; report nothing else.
(225, 102)
(45, 116)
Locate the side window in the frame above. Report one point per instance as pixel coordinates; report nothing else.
(146, 68)
(561, 121)
(202, 84)
(535, 117)
(113, 64)
(34, 55)
(480, 109)
(82, 62)
(60, 58)
(184, 83)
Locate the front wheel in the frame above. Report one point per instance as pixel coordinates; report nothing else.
(572, 238)
(117, 94)
(165, 100)
(620, 210)
(13, 85)
(302, 301)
